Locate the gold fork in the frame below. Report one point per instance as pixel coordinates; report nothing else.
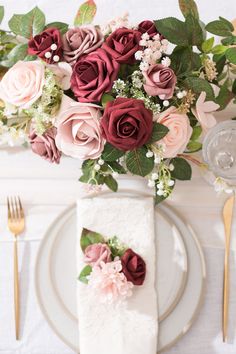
(16, 225)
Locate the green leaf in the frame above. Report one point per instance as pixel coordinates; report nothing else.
(63, 27)
(110, 153)
(138, 163)
(234, 87)
(174, 30)
(182, 169)
(220, 60)
(158, 132)
(116, 167)
(219, 49)
(207, 45)
(197, 131)
(183, 60)
(197, 85)
(19, 52)
(86, 271)
(30, 57)
(193, 146)
(188, 7)
(28, 25)
(160, 198)
(194, 30)
(86, 13)
(231, 40)
(219, 27)
(89, 238)
(231, 55)
(106, 97)
(224, 97)
(111, 183)
(1, 13)
(227, 23)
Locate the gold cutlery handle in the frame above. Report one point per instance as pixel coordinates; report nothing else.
(16, 290)
(226, 294)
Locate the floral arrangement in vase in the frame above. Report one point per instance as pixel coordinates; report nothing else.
(122, 97)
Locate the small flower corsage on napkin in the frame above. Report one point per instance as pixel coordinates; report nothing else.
(112, 269)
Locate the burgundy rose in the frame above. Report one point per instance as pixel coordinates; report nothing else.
(133, 267)
(122, 45)
(93, 75)
(147, 27)
(47, 45)
(44, 145)
(159, 81)
(80, 40)
(126, 123)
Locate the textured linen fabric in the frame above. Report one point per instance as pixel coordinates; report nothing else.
(130, 326)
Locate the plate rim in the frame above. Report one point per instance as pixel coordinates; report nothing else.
(199, 248)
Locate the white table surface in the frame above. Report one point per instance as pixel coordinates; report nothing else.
(46, 190)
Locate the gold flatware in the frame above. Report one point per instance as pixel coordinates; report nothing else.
(16, 225)
(227, 216)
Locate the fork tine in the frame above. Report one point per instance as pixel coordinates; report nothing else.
(8, 208)
(17, 208)
(21, 208)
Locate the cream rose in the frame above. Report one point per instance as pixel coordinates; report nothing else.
(179, 133)
(78, 130)
(22, 85)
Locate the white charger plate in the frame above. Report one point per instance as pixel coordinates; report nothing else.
(56, 277)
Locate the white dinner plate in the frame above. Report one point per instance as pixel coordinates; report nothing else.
(56, 276)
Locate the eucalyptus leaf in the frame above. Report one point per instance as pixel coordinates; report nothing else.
(158, 132)
(28, 25)
(86, 271)
(182, 169)
(86, 13)
(89, 237)
(138, 163)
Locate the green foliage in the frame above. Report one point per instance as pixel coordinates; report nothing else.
(116, 167)
(221, 27)
(219, 49)
(160, 198)
(116, 247)
(184, 60)
(181, 33)
(207, 45)
(89, 237)
(63, 27)
(106, 97)
(158, 132)
(86, 271)
(111, 183)
(193, 146)
(197, 85)
(1, 13)
(19, 52)
(231, 55)
(182, 169)
(220, 60)
(224, 97)
(189, 7)
(110, 153)
(28, 25)
(86, 13)
(138, 163)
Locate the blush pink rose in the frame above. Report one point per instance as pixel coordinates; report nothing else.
(80, 40)
(159, 81)
(78, 130)
(22, 85)
(97, 253)
(179, 133)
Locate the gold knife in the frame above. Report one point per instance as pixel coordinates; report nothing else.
(227, 216)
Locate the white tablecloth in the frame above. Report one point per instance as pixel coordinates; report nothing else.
(46, 190)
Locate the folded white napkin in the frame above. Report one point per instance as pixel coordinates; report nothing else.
(130, 327)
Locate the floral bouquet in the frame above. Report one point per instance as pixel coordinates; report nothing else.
(120, 97)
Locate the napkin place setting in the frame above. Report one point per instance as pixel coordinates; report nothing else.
(116, 291)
